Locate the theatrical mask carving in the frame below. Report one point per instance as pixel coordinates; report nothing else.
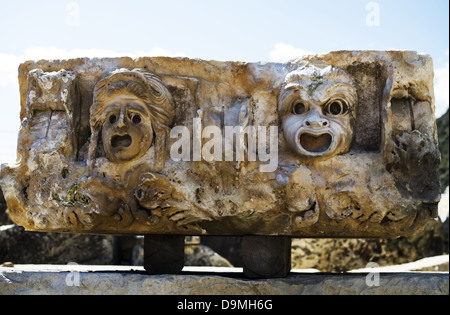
(97, 155)
(131, 113)
(316, 107)
(130, 110)
(127, 133)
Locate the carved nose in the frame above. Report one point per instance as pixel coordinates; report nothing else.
(121, 120)
(316, 122)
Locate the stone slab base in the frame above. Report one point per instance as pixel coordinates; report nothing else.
(123, 280)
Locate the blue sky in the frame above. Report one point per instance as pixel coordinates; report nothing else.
(245, 30)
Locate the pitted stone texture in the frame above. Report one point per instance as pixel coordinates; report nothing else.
(17, 281)
(139, 146)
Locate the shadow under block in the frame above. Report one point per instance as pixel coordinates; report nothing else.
(266, 256)
(163, 254)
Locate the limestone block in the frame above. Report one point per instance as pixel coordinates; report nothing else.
(336, 145)
(89, 280)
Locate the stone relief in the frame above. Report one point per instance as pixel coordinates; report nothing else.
(130, 107)
(130, 121)
(317, 107)
(324, 146)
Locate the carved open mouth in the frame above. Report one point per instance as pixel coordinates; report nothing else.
(315, 143)
(121, 141)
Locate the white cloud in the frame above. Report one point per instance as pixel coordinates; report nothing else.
(284, 52)
(8, 69)
(9, 63)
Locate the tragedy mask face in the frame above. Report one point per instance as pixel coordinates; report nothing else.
(317, 114)
(127, 132)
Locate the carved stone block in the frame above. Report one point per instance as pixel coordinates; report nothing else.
(336, 145)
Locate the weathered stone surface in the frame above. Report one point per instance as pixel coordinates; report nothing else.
(20, 280)
(333, 255)
(345, 145)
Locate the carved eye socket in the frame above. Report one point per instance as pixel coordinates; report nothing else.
(299, 108)
(336, 108)
(112, 119)
(136, 119)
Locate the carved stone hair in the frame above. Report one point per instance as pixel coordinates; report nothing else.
(144, 85)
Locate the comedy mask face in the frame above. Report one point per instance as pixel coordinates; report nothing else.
(316, 107)
(127, 132)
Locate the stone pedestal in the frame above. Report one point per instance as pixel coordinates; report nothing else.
(113, 280)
